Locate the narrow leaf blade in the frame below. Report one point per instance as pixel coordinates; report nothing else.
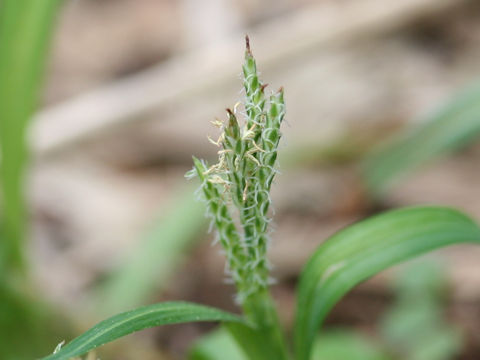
(342, 344)
(217, 345)
(454, 125)
(366, 248)
(139, 319)
(25, 31)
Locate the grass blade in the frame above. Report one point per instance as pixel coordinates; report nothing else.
(455, 125)
(139, 319)
(342, 344)
(366, 248)
(25, 28)
(217, 345)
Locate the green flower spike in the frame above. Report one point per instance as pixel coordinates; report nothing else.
(240, 182)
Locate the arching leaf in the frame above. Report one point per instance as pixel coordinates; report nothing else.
(366, 248)
(454, 125)
(139, 319)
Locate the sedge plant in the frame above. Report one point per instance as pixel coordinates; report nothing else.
(237, 192)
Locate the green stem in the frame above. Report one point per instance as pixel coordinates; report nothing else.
(260, 309)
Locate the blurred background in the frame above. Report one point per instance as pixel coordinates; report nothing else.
(130, 89)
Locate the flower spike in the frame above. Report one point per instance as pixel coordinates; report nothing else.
(239, 184)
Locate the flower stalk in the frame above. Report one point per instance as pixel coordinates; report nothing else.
(237, 193)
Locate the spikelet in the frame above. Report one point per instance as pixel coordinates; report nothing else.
(241, 180)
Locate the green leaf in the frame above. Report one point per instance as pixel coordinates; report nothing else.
(25, 29)
(340, 344)
(452, 126)
(217, 345)
(337, 344)
(366, 248)
(139, 319)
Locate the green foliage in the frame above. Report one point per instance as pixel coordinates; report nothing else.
(453, 126)
(264, 340)
(139, 319)
(25, 28)
(236, 191)
(337, 344)
(415, 327)
(341, 344)
(27, 326)
(366, 248)
(217, 345)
